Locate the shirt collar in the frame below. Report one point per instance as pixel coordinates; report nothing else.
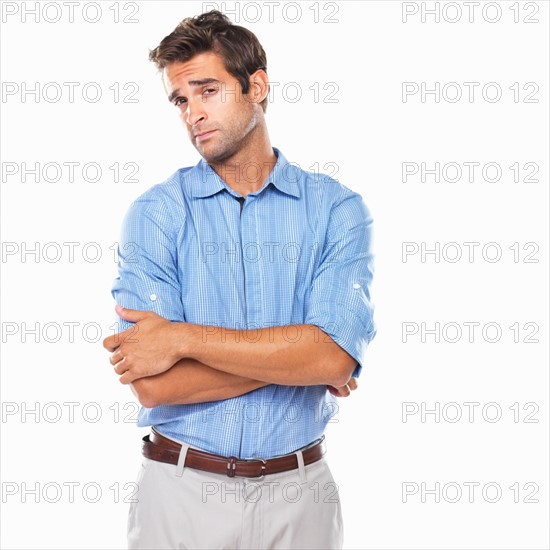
(284, 177)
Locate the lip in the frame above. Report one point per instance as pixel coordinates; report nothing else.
(204, 135)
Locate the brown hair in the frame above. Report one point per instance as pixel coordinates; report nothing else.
(239, 48)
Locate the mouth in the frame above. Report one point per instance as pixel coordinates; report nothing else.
(204, 135)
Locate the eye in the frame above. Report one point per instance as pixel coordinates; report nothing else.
(177, 101)
(210, 91)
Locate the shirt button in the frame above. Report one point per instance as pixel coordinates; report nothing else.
(153, 297)
(356, 285)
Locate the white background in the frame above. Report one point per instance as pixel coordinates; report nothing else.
(368, 51)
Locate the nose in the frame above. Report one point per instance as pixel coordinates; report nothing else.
(195, 112)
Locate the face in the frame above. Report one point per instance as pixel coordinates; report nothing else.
(220, 120)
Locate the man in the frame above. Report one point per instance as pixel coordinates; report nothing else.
(244, 282)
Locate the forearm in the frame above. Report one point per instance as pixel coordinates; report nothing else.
(298, 355)
(190, 381)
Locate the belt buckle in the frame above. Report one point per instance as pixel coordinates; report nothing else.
(231, 466)
(262, 460)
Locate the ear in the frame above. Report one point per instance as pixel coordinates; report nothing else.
(259, 86)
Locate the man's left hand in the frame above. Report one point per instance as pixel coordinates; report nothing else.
(145, 349)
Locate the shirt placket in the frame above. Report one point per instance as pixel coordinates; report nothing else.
(251, 251)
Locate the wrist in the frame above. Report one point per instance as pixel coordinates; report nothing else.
(185, 337)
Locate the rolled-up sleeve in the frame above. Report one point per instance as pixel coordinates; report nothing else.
(340, 302)
(147, 262)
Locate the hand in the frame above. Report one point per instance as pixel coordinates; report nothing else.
(343, 391)
(145, 349)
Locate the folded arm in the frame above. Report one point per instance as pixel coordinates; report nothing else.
(190, 381)
(290, 355)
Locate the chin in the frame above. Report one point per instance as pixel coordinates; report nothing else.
(215, 155)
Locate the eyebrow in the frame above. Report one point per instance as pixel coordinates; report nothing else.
(194, 83)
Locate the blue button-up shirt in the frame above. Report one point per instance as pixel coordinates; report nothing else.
(297, 251)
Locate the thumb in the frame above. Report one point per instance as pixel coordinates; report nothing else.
(132, 315)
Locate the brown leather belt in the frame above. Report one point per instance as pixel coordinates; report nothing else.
(162, 449)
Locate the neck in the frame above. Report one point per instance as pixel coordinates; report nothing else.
(242, 170)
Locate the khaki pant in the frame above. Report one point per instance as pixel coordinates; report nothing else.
(184, 508)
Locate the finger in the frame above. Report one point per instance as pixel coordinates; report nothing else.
(121, 367)
(128, 377)
(116, 357)
(113, 342)
(341, 391)
(352, 384)
(132, 315)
